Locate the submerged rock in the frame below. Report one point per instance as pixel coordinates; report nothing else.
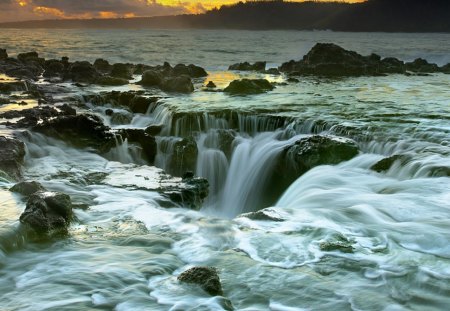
(27, 188)
(246, 66)
(12, 153)
(248, 87)
(48, 213)
(206, 277)
(386, 163)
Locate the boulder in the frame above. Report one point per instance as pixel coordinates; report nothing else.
(246, 66)
(120, 117)
(124, 71)
(12, 153)
(154, 129)
(29, 56)
(146, 141)
(386, 163)
(3, 54)
(48, 213)
(179, 84)
(196, 71)
(266, 214)
(83, 131)
(102, 65)
(420, 65)
(205, 277)
(111, 81)
(83, 72)
(27, 188)
(53, 68)
(248, 87)
(141, 104)
(392, 65)
(445, 68)
(211, 85)
(151, 78)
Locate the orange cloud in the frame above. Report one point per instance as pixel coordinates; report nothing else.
(42, 10)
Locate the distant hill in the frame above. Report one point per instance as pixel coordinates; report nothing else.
(373, 15)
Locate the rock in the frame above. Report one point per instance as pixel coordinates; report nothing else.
(246, 66)
(151, 78)
(445, 68)
(121, 118)
(266, 214)
(124, 71)
(23, 73)
(31, 117)
(248, 87)
(180, 84)
(293, 80)
(147, 142)
(392, 65)
(184, 157)
(196, 71)
(141, 104)
(53, 67)
(272, 71)
(3, 54)
(206, 277)
(192, 195)
(12, 153)
(82, 72)
(27, 188)
(420, 65)
(211, 85)
(111, 81)
(48, 213)
(386, 163)
(109, 112)
(102, 65)
(154, 129)
(16, 86)
(83, 131)
(4, 101)
(338, 242)
(29, 56)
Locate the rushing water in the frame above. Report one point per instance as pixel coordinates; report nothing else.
(125, 251)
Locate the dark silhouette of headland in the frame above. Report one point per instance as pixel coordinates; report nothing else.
(370, 16)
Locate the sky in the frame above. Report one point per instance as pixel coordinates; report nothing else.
(19, 10)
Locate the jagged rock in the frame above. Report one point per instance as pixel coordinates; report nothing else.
(124, 71)
(111, 81)
(12, 152)
(102, 65)
(147, 142)
(266, 214)
(211, 85)
(420, 65)
(184, 157)
(179, 84)
(246, 66)
(27, 188)
(3, 54)
(84, 131)
(83, 72)
(248, 86)
(392, 65)
(206, 277)
(48, 212)
(151, 78)
(386, 163)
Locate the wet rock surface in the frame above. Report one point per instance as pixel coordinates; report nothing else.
(246, 66)
(248, 87)
(146, 141)
(27, 188)
(48, 213)
(206, 277)
(12, 153)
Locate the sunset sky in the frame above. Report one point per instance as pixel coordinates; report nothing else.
(17, 10)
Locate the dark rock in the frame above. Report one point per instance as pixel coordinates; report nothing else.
(16, 86)
(206, 277)
(83, 72)
(211, 84)
(179, 84)
(445, 68)
(12, 152)
(31, 117)
(421, 66)
(147, 142)
(192, 194)
(3, 54)
(121, 118)
(4, 101)
(151, 78)
(23, 73)
(272, 71)
(154, 129)
(53, 67)
(386, 163)
(266, 214)
(180, 69)
(246, 66)
(392, 65)
(48, 213)
(141, 104)
(293, 80)
(29, 56)
(27, 188)
(248, 86)
(102, 65)
(124, 71)
(196, 71)
(111, 81)
(184, 157)
(84, 131)
(109, 112)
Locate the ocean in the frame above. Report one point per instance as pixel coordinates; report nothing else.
(342, 236)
